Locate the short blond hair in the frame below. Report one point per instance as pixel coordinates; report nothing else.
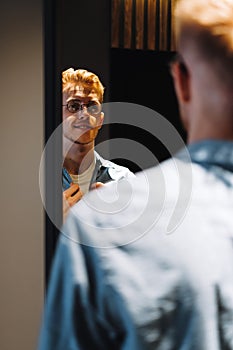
(71, 76)
(208, 25)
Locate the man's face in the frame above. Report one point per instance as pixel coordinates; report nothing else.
(82, 116)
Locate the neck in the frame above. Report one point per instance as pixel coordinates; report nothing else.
(77, 157)
(210, 131)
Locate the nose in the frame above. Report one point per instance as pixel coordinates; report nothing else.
(83, 113)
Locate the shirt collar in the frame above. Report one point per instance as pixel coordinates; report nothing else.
(212, 153)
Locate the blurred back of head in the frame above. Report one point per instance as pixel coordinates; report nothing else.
(205, 29)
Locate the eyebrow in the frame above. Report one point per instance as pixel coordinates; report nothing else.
(81, 100)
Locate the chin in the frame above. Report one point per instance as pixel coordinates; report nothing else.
(83, 141)
(82, 138)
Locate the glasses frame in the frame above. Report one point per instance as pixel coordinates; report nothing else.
(82, 105)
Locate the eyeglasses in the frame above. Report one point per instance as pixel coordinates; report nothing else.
(93, 107)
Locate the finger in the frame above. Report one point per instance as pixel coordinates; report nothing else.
(71, 190)
(74, 199)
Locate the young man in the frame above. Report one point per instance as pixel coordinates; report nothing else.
(162, 291)
(82, 118)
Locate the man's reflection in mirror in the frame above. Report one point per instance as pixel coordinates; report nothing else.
(83, 168)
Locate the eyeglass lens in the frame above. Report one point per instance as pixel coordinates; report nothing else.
(93, 107)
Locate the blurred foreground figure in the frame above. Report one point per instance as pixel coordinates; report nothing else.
(155, 271)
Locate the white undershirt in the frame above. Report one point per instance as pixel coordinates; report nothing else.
(84, 179)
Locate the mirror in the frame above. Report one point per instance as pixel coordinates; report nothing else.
(129, 45)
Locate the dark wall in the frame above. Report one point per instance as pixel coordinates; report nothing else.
(143, 77)
(85, 36)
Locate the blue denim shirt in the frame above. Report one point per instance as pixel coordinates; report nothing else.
(163, 292)
(215, 156)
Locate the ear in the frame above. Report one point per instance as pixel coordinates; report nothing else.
(181, 78)
(101, 120)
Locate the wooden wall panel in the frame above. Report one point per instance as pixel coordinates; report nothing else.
(141, 23)
(173, 40)
(116, 5)
(128, 11)
(163, 20)
(151, 24)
